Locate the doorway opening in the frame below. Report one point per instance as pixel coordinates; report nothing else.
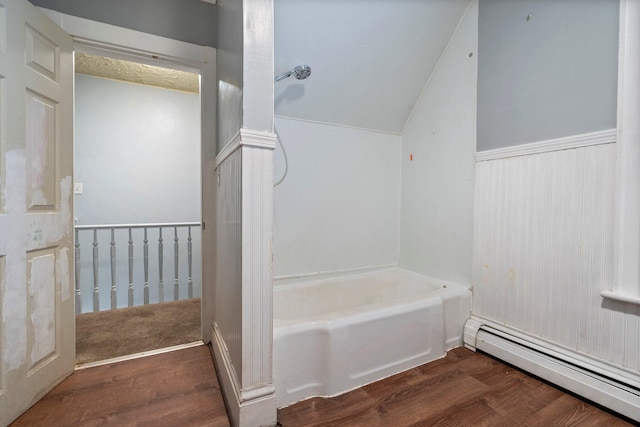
(137, 157)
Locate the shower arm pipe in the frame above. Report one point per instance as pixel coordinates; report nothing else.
(282, 76)
(300, 72)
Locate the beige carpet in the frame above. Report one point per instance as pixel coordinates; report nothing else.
(125, 331)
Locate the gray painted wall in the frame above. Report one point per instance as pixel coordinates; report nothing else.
(192, 21)
(551, 75)
(229, 70)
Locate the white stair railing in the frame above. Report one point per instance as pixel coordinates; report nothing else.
(138, 269)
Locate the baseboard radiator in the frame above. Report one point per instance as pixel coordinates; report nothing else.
(607, 385)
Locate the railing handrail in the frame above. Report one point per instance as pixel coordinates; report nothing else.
(149, 225)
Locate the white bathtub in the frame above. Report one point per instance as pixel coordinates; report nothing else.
(335, 334)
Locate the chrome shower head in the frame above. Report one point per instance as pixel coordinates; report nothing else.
(300, 72)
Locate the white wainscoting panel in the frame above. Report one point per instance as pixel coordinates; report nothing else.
(228, 293)
(543, 252)
(243, 324)
(257, 271)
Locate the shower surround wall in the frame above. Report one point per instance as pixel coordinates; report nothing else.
(338, 209)
(438, 164)
(353, 199)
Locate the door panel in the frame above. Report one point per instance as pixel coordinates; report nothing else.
(37, 330)
(41, 291)
(41, 54)
(41, 153)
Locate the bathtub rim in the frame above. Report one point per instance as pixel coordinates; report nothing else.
(282, 283)
(442, 291)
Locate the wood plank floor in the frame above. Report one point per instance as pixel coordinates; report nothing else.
(462, 389)
(180, 389)
(177, 388)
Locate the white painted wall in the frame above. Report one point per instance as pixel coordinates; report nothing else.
(137, 154)
(229, 240)
(438, 164)
(339, 206)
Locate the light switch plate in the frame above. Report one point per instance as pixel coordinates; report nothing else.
(77, 188)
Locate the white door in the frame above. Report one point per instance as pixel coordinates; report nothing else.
(37, 331)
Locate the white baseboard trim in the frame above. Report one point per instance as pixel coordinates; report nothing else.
(565, 143)
(254, 407)
(608, 386)
(138, 355)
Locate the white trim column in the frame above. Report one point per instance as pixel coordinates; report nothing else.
(257, 272)
(248, 383)
(627, 269)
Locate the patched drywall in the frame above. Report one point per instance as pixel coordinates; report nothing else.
(118, 69)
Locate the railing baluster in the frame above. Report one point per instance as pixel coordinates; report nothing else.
(77, 261)
(117, 270)
(146, 267)
(96, 289)
(160, 259)
(130, 291)
(176, 290)
(114, 291)
(189, 257)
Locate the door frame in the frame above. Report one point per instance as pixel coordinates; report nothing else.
(102, 39)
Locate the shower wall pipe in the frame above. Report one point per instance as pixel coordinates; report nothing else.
(300, 72)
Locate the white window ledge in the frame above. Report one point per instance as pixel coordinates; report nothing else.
(619, 296)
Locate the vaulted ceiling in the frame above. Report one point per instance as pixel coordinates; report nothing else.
(370, 58)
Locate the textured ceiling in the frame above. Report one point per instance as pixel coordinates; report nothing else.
(370, 58)
(118, 69)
